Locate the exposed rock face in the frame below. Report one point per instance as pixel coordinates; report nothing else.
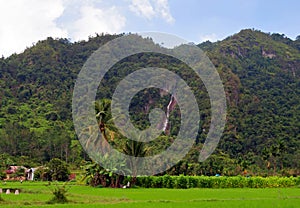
(267, 54)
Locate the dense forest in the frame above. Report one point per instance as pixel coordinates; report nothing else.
(261, 76)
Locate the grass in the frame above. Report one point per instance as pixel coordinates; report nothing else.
(36, 194)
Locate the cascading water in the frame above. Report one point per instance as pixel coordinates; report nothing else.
(170, 107)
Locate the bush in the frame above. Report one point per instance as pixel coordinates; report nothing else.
(192, 182)
(156, 182)
(183, 182)
(167, 182)
(204, 182)
(59, 193)
(43, 174)
(58, 170)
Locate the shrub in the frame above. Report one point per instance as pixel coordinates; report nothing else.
(59, 194)
(167, 181)
(58, 170)
(184, 182)
(156, 182)
(42, 173)
(204, 182)
(192, 182)
(181, 182)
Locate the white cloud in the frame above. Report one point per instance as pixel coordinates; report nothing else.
(162, 7)
(142, 8)
(25, 22)
(151, 9)
(94, 20)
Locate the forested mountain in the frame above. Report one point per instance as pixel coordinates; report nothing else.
(261, 76)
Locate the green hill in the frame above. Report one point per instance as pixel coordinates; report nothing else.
(261, 76)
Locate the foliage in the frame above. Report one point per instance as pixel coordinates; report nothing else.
(184, 182)
(95, 175)
(59, 192)
(58, 170)
(42, 174)
(138, 150)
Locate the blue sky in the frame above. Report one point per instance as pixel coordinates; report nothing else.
(24, 22)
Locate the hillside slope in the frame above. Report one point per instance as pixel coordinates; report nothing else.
(261, 75)
(264, 114)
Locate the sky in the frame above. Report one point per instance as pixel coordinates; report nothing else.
(25, 22)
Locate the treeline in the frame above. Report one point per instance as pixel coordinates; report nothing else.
(21, 146)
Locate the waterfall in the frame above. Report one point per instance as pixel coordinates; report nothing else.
(166, 126)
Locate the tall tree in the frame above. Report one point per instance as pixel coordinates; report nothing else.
(105, 121)
(137, 150)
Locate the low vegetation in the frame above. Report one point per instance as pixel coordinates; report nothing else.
(35, 194)
(184, 182)
(59, 193)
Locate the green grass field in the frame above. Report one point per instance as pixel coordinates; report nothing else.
(36, 194)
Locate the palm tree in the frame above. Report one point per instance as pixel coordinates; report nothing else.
(103, 115)
(137, 150)
(105, 122)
